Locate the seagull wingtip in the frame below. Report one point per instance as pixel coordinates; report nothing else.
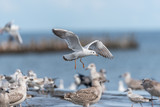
(58, 31)
(53, 30)
(112, 57)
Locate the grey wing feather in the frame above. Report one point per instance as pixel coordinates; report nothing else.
(100, 48)
(135, 84)
(8, 24)
(138, 98)
(71, 39)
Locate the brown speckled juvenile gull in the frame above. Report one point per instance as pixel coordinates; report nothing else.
(18, 95)
(72, 40)
(132, 83)
(86, 97)
(137, 98)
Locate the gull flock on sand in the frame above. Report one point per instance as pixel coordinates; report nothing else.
(16, 88)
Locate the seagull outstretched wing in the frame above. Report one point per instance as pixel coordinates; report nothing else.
(71, 39)
(16, 35)
(100, 48)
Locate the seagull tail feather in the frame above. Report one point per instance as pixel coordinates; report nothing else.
(152, 99)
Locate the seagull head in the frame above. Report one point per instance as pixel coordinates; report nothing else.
(102, 71)
(146, 82)
(91, 66)
(3, 90)
(126, 75)
(129, 90)
(22, 80)
(92, 52)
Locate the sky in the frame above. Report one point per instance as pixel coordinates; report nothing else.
(82, 14)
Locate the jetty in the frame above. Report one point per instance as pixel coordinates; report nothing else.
(56, 44)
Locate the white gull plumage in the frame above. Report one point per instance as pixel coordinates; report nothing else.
(94, 48)
(97, 75)
(13, 31)
(137, 98)
(61, 84)
(4, 99)
(121, 87)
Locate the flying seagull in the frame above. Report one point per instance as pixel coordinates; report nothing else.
(94, 48)
(13, 31)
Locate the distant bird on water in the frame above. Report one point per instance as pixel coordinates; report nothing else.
(86, 97)
(94, 48)
(121, 86)
(13, 31)
(137, 98)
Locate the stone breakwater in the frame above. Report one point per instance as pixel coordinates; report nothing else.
(55, 44)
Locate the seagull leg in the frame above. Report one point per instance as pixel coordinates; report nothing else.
(86, 105)
(75, 63)
(132, 105)
(141, 104)
(27, 103)
(82, 62)
(152, 100)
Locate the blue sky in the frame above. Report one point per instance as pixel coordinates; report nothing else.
(82, 14)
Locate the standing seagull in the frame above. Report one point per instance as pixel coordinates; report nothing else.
(94, 48)
(18, 95)
(132, 83)
(94, 74)
(152, 87)
(4, 99)
(86, 97)
(13, 32)
(137, 98)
